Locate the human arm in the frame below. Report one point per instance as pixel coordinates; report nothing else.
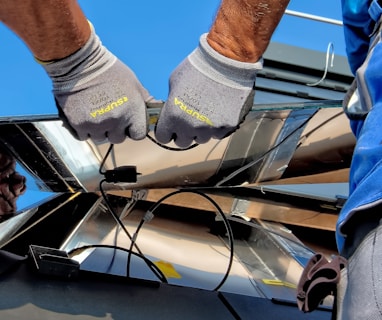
(212, 90)
(52, 29)
(96, 94)
(243, 29)
(358, 27)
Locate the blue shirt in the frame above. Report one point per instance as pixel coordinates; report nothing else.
(365, 191)
(358, 26)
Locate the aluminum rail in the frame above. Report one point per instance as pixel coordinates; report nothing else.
(313, 17)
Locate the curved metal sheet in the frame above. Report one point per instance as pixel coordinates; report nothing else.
(260, 150)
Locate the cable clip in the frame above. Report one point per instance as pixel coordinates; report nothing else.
(53, 262)
(122, 174)
(148, 216)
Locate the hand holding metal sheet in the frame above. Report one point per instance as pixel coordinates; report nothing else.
(99, 97)
(210, 95)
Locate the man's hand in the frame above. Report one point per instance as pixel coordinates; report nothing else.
(98, 96)
(210, 95)
(12, 185)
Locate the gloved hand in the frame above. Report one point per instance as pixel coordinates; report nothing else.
(98, 96)
(210, 95)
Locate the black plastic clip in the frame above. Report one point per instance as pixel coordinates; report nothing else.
(122, 174)
(53, 262)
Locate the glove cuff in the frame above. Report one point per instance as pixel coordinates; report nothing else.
(230, 72)
(80, 67)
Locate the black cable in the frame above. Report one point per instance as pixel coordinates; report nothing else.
(104, 159)
(103, 172)
(154, 268)
(226, 222)
(255, 161)
(171, 148)
(115, 244)
(133, 243)
(150, 214)
(110, 208)
(105, 198)
(119, 222)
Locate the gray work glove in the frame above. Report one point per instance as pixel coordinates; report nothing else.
(98, 96)
(210, 95)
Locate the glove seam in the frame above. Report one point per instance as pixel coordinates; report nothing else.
(70, 71)
(224, 70)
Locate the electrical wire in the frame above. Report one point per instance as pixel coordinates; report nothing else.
(110, 208)
(104, 159)
(150, 214)
(163, 146)
(248, 165)
(105, 198)
(115, 244)
(154, 268)
(132, 243)
(258, 159)
(119, 222)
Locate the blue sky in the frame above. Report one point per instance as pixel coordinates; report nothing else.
(152, 38)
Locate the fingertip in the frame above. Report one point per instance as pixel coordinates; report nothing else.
(223, 132)
(162, 136)
(136, 132)
(183, 142)
(202, 139)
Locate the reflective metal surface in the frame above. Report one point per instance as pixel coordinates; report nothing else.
(262, 150)
(266, 254)
(257, 179)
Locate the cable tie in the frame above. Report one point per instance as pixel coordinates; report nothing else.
(149, 215)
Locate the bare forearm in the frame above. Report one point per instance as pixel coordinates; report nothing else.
(52, 29)
(243, 28)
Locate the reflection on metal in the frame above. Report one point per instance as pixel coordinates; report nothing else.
(12, 184)
(10, 227)
(261, 150)
(305, 139)
(201, 255)
(27, 221)
(263, 146)
(189, 246)
(268, 257)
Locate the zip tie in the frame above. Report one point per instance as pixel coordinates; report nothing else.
(148, 216)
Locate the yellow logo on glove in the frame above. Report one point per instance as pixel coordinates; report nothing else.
(191, 112)
(109, 107)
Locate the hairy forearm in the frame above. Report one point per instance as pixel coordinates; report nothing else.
(243, 28)
(52, 29)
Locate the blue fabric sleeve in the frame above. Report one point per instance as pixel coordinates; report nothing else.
(357, 30)
(365, 189)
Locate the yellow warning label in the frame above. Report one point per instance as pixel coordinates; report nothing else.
(167, 269)
(276, 282)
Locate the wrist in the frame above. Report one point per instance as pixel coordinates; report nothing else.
(233, 31)
(81, 66)
(237, 48)
(243, 28)
(51, 29)
(229, 71)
